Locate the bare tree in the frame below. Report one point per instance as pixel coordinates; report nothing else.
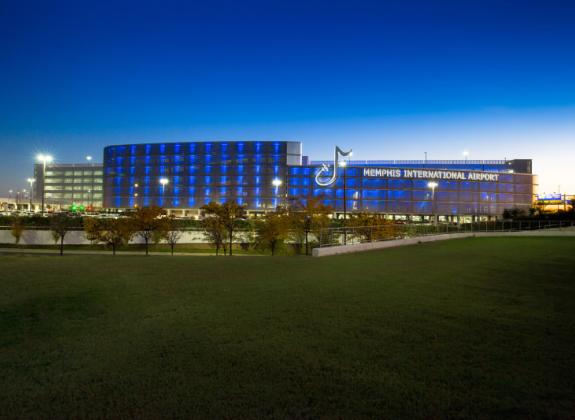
(173, 232)
(60, 225)
(214, 231)
(229, 214)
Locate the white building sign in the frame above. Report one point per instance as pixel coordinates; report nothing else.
(429, 174)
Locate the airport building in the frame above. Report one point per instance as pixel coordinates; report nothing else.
(69, 184)
(261, 175)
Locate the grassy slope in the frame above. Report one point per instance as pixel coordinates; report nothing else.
(467, 328)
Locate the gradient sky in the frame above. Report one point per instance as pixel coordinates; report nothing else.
(391, 79)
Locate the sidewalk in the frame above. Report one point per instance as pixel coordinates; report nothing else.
(118, 253)
(368, 246)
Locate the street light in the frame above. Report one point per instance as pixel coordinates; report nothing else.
(31, 182)
(136, 185)
(343, 165)
(465, 154)
(307, 228)
(164, 182)
(277, 183)
(44, 159)
(23, 196)
(433, 185)
(91, 190)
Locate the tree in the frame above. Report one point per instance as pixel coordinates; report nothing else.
(232, 212)
(514, 213)
(229, 215)
(272, 230)
(368, 227)
(115, 232)
(17, 229)
(92, 229)
(214, 231)
(146, 221)
(308, 216)
(60, 224)
(173, 232)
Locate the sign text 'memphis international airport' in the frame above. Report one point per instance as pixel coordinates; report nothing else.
(429, 174)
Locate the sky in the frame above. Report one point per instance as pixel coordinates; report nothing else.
(390, 79)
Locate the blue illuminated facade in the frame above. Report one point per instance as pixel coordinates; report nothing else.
(197, 173)
(400, 196)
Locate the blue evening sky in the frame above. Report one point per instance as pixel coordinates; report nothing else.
(390, 79)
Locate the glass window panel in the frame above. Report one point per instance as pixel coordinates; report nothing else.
(398, 195)
(522, 188)
(505, 188)
(420, 184)
(488, 186)
(374, 183)
(421, 195)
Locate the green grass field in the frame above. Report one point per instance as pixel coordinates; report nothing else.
(461, 329)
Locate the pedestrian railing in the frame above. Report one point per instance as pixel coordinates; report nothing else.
(361, 234)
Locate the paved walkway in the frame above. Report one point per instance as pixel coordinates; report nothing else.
(122, 253)
(367, 246)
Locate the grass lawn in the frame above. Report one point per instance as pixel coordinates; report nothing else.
(464, 329)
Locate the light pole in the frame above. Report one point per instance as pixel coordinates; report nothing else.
(307, 228)
(343, 165)
(136, 195)
(31, 182)
(276, 182)
(91, 191)
(286, 188)
(433, 185)
(164, 182)
(465, 155)
(44, 159)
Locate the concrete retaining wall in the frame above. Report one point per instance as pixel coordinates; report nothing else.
(347, 249)
(78, 237)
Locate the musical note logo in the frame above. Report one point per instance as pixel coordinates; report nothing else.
(321, 178)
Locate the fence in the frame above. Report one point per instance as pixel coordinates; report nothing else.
(385, 232)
